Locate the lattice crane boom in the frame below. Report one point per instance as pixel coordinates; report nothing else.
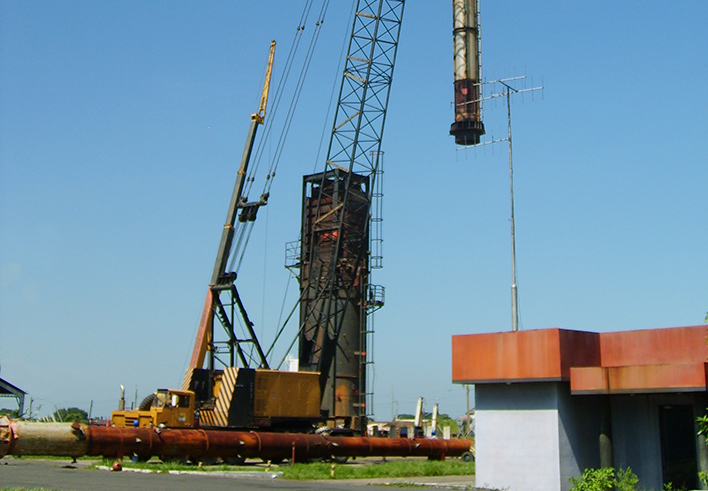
(221, 279)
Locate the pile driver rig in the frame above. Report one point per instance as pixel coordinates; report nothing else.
(229, 374)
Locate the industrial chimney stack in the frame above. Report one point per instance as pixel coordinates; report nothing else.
(468, 127)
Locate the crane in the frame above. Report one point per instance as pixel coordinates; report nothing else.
(333, 257)
(223, 281)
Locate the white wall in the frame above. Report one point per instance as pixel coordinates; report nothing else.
(517, 437)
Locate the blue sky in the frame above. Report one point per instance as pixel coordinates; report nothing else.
(122, 124)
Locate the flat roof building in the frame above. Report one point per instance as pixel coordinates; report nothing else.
(553, 402)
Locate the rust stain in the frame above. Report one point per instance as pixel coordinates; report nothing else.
(544, 354)
(61, 440)
(652, 360)
(654, 346)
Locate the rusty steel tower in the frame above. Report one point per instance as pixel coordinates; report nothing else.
(335, 258)
(468, 126)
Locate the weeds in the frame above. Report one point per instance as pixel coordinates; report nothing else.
(393, 469)
(604, 479)
(321, 470)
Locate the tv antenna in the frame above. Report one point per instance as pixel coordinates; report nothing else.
(509, 87)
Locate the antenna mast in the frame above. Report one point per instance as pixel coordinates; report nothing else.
(506, 92)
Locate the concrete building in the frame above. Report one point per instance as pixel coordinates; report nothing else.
(553, 402)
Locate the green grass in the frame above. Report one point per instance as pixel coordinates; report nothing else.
(321, 470)
(27, 489)
(397, 468)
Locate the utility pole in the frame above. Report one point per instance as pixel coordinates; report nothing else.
(392, 415)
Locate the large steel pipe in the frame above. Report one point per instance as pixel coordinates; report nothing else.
(467, 127)
(75, 440)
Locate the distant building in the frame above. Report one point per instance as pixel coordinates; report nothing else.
(9, 390)
(553, 402)
(462, 422)
(399, 428)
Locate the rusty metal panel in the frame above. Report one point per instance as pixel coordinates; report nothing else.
(687, 377)
(654, 346)
(658, 378)
(538, 355)
(280, 394)
(579, 349)
(655, 360)
(588, 380)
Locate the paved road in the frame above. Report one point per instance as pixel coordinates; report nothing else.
(60, 475)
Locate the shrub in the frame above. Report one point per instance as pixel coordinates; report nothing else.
(594, 480)
(703, 477)
(604, 479)
(626, 480)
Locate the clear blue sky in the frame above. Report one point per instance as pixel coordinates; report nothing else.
(122, 123)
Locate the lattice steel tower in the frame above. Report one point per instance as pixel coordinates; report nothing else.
(335, 258)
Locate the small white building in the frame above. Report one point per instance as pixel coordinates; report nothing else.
(553, 402)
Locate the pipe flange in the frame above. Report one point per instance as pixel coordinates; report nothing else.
(5, 436)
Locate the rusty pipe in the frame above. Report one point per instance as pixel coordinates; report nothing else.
(75, 440)
(468, 126)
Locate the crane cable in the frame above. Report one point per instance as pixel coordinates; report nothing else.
(280, 89)
(296, 97)
(281, 323)
(336, 83)
(243, 230)
(244, 235)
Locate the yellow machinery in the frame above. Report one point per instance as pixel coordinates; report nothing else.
(171, 408)
(233, 397)
(242, 398)
(256, 398)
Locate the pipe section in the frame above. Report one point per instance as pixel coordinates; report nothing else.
(75, 440)
(467, 127)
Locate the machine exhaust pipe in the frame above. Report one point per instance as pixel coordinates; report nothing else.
(121, 403)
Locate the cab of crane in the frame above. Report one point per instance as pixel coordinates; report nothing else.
(169, 398)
